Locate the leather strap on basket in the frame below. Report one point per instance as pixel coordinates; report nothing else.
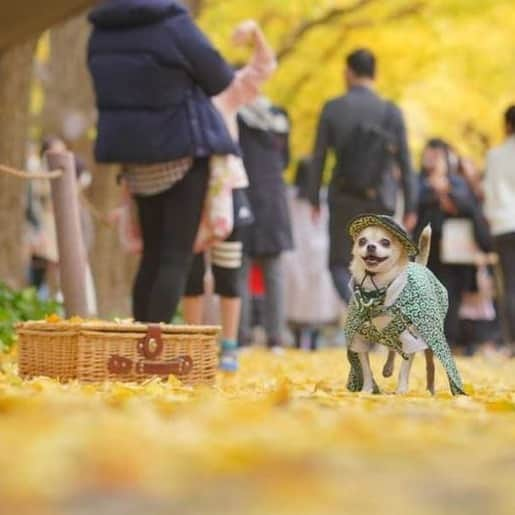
(151, 346)
(121, 366)
(179, 366)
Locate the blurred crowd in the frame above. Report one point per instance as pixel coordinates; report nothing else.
(203, 153)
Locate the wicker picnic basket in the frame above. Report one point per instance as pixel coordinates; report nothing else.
(93, 351)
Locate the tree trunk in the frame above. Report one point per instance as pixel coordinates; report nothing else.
(15, 74)
(70, 112)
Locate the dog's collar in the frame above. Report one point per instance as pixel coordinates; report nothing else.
(371, 275)
(389, 293)
(369, 301)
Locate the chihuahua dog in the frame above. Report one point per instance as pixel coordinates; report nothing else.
(379, 260)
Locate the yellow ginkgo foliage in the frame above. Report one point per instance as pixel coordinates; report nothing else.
(283, 436)
(449, 63)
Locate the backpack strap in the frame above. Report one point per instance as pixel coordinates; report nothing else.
(389, 110)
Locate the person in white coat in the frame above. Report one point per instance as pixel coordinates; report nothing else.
(500, 211)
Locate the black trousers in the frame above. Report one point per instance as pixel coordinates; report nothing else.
(169, 223)
(227, 279)
(505, 247)
(456, 279)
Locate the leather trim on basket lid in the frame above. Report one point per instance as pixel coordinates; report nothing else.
(122, 326)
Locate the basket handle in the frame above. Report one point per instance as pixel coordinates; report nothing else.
(152, 344)
(179, 366)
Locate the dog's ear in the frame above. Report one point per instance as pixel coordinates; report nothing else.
(356, 268)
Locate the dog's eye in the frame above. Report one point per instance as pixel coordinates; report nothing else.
(362, 242)
(385, 243)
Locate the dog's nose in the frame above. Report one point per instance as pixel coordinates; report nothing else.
(371, 248)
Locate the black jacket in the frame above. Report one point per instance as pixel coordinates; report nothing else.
(266, 156)
(339, 118)
(154, 72)
(467, 205)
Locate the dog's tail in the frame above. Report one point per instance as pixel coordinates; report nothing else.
(424, 246)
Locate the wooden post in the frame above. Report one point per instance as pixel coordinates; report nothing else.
(72, 253)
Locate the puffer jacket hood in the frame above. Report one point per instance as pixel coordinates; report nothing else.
(113, 14)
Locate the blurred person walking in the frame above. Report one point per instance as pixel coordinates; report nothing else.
(154, 73)
(479, 328)
(445, 196)
(228, 185)
(368, 136)
(500, 211)
(310, 298)
(264, 139)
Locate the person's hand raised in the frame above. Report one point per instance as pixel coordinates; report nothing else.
(410, 221)
(316, 214)
(439, 178)
(440, 183)
(245, 32)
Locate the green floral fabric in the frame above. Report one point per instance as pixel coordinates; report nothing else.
(422, 304)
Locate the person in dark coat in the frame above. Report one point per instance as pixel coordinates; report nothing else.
(341, 117)
(154, 72)
(444, 195)
(264, 140)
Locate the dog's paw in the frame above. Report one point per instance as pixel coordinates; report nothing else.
(402, 390)
(388, 369)
(368, 389)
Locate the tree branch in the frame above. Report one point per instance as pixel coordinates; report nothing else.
(331, 15)
(408, 10)
(399, 14)
(291, 40)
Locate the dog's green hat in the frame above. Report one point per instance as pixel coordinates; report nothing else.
(361, 222)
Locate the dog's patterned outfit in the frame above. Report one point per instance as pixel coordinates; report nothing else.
(421, 305)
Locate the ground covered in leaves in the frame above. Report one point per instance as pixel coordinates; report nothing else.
(283, 436)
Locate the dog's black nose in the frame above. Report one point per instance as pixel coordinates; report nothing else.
(371, 248)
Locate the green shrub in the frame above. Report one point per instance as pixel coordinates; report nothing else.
(19, 306)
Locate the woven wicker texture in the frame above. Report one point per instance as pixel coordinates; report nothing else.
(48, 353)
(96, 348)
(85, 350)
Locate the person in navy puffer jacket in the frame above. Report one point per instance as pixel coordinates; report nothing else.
(154, 73)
